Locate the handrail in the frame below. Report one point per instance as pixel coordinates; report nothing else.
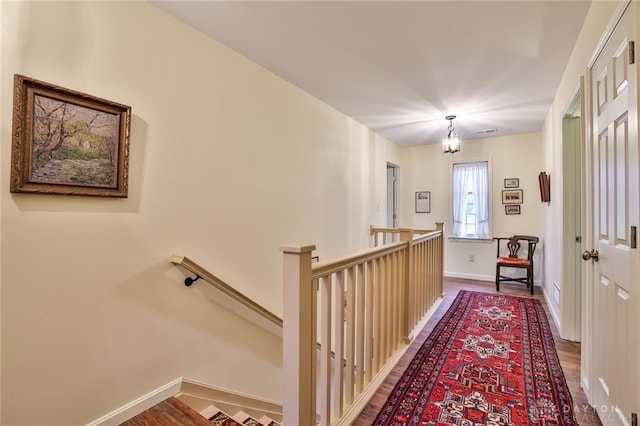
(374, 229)
(395, 232)
(200, 272)
(335, 265)
(191, 266)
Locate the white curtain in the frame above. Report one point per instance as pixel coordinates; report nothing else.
(480, 184)
(475, 177)
(460, 179)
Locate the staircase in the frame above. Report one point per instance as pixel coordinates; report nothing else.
(400, 282)
(221, 418)
(222, 413)
(198, 404)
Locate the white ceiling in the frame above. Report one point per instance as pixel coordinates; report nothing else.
(399, 67)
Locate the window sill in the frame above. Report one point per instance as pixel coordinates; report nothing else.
(470, 240)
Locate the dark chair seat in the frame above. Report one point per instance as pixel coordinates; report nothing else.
(511, 247)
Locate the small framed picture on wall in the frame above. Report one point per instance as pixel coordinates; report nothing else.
(512, 209)
(511, 182)
(512, 196)
(423, 202)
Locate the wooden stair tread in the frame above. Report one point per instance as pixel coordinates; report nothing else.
(170, 412)
(220, 418)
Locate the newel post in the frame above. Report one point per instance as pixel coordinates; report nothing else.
(440, 227)
(298, 337)
(406, 235)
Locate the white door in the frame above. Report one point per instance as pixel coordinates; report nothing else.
(614, 285)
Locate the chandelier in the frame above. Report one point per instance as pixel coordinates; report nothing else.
(451, 142)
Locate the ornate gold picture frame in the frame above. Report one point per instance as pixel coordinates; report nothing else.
(66, 142)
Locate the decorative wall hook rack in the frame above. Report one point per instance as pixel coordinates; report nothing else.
(545, 187)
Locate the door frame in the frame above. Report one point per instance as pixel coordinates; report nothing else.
(392, 195)
(571, 294)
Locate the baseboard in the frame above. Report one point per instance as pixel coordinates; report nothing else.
(421, 324)
(490, 278)
(584, 383)
(554, 313)
(141, 404)
(190, 387)
(470, 276)
(220, 394)
(362, 400)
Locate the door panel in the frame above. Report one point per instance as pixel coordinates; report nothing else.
(614, 208)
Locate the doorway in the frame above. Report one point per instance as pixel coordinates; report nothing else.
(571, 291)
(392, 195)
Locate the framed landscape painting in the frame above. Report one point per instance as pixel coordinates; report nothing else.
(66, 142)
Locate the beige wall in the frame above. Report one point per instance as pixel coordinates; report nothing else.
(594, 27)
(228, 161)
(427, 168)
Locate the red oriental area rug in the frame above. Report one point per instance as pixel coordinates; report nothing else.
(490, 360)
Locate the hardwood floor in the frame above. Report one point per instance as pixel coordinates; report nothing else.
(568, 352)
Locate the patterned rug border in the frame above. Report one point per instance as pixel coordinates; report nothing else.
(436, 362)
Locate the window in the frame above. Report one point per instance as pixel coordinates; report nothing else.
(471, 200)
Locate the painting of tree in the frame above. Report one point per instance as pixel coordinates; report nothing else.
(67, 142)
(73, 144)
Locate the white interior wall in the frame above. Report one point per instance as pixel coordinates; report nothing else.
(594, 27)
(429, 169)
(228, 161)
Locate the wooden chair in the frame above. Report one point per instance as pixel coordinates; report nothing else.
(512, 260)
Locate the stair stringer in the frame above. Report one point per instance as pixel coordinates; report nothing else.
(199, 396)
(184, 388)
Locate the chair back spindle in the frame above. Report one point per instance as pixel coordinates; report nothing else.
(513, 246)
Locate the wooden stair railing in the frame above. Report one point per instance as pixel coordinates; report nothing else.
(201, 272)
(365, 308)
(383, 296)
